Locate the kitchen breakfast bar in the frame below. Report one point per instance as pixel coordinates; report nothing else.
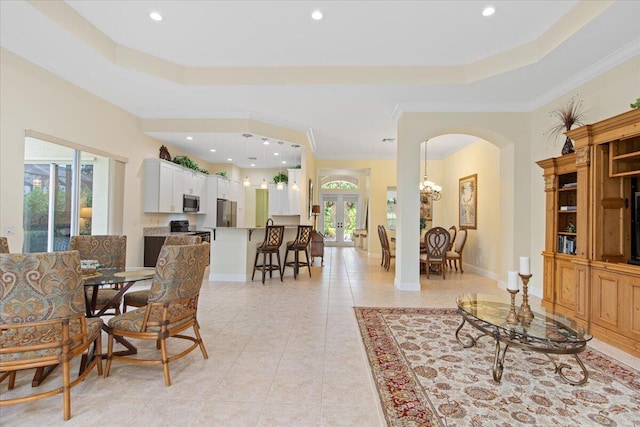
(233, 251)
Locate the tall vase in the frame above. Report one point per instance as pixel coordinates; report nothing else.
(567, 148)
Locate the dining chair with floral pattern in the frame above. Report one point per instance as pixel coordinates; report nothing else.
(172, 307)
(111, 252)
(43, 323)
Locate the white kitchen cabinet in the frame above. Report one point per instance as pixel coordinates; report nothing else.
(278, 200)
(194, 182)
(224, 188)
(294, 191)
(208, 203)
(163, 186)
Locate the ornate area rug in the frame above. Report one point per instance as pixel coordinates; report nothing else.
(425, 378)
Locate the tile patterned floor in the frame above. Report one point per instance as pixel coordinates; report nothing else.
(282, 354)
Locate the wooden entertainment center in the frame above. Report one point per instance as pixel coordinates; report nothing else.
(588, 233)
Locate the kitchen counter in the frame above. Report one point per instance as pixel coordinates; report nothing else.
(234, 250)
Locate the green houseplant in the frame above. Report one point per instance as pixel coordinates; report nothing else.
(281, 177)
(186, 162)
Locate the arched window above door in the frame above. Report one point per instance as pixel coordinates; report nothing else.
(339, 182)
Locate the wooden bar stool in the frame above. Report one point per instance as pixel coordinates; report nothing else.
(273, 236)
(300, 244)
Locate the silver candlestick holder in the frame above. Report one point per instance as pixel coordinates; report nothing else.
(525, 311)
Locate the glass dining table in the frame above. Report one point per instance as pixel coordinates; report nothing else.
(125, 278)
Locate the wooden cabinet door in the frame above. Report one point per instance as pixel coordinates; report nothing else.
(606, 288)
(630, 307)
(565, 283)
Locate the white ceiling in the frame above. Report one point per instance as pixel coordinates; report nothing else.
(293, 72)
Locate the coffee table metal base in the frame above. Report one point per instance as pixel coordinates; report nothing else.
(513, 341)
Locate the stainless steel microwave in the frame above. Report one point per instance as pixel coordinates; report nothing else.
(190, 203)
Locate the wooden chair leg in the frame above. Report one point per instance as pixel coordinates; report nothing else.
(196, 330)
(279, 264)
(165, 362)
(286, 256)
(460, 259)
(255, 263)
(306, 254)
(109, 355)
(264, 262)
(66, 390)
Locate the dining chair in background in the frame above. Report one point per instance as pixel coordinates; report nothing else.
(452, 237)
(172, 307)
(273, 236)
(139, 298)
(455, 253)
(43, 323)
(110, 252)
(300, 244)
(4, 245)
(387, 254)
(436, 242)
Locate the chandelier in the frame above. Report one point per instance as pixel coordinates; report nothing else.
(428, 189)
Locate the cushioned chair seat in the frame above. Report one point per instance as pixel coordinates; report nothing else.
(132, 321)
(136, 298)
(38, 335)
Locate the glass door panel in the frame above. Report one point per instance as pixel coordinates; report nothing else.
(339, 218)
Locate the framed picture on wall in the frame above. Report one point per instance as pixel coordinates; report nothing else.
(468, 198)
(310, 198)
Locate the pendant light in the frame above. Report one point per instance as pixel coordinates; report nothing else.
(265, 142)
(247, 181)
(280, 185)
(428, 189)
(294, 186)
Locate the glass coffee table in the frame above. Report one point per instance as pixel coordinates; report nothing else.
(547, 333)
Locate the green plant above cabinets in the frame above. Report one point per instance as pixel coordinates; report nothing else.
(186, 162)
(281, 177)
(222, 174)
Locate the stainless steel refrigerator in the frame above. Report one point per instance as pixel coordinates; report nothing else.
(227, 213)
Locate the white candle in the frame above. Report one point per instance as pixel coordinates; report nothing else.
(525, 265)
(512, 282)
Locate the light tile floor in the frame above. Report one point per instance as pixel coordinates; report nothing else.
(280, 354)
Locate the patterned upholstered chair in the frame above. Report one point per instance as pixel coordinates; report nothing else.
(139, 298)
(301, 244)
(273, 236)
(111, 252)
(42, 320)
(436, 242)
(172, 307)
(4, 245)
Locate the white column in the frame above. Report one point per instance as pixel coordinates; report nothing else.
(408, 213)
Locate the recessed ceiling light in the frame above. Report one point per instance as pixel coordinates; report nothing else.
(284, 162)
(316, 15)
(155, 15)
(213, 150)
(189, 138)
(265, 141)
(488, 11)
(276, 154)
(253, 165)
(229, 159)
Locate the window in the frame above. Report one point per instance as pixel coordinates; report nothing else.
(58, 201)
(339, 183)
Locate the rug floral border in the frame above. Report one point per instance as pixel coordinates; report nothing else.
(403, 399)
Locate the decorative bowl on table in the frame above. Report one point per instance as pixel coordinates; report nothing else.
(88, 266)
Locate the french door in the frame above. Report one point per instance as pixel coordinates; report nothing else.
(339, 217)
